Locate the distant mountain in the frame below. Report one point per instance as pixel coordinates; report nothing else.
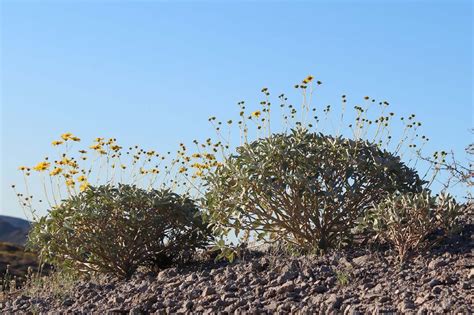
(13, 230)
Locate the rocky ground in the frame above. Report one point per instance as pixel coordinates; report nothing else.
(349, 282)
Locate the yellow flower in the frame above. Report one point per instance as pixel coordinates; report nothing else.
(56, 171)
(42, 166)
(308, 79)
(66, 136)
(96, 146)
(155, 171)
(196, 155)
(256, 114)
(84, 186)
(57, 142)
(182, 170)
(103, 152)
(209, 156)
(98, 139)
(75, 139)
(73, 172)
(22, 168)
(70, 183)
(82, 178)
(116, 148)
(199, 173)
(150, 153)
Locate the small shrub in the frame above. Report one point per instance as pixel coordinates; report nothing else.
(406, 220)
(305, 189)
(342, 278)
(116, 229)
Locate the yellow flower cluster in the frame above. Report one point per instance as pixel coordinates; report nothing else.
(42, 166)
(56, 171)
(69, 136)
(84, 186)
(200, 166)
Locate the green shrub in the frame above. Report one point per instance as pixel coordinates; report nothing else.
(302, 188)
(116, 229)
(406, 220)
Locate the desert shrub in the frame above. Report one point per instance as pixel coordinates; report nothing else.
(303, 188)
(406, 220)
(115, 229)
(69, 170)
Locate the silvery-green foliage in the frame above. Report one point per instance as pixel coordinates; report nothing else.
(405, 220)
(116, 229)
(303, 188)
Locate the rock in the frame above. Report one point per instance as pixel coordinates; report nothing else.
(136, 311)
(406, 306)
(116, 311)
(471, 274)
(434, 282)
(361, 260)
(68, 302)
(436, 263)
(345, 263)
(269, 294)
(334, 302)
(319, 289)
(273, 306)
(420, 300)
(167, 274)
(188, 305)
(377, 288)
(287, 287)
(287, 276)
(209, 291)
(371, 296)
(230, 288)
(437, 289)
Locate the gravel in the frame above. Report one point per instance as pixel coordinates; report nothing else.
(435, 281)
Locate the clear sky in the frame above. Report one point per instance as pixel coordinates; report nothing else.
(152, 72)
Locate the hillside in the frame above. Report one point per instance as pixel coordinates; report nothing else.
(13, 230)
(16, 258)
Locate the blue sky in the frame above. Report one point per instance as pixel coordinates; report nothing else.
(152, 72)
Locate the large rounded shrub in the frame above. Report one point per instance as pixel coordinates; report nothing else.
(117, 229)
(303, 188)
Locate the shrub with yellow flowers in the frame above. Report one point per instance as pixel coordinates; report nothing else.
(302, 185)
(112, 209)
(116, 229)
(103, 162)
